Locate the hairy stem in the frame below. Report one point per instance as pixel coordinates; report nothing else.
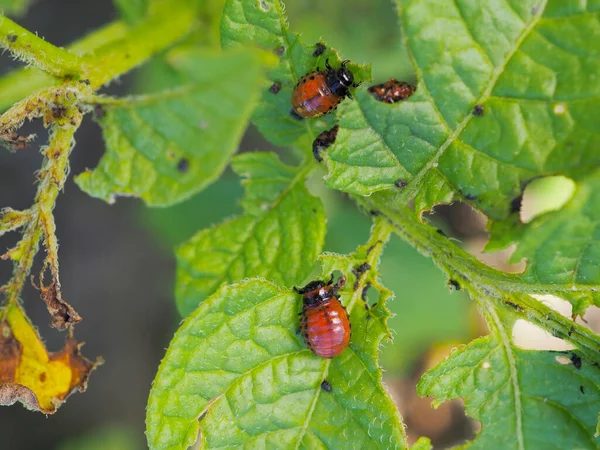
(496, 289)
(37, 52)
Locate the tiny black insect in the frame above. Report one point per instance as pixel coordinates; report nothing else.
(455, 284)
(478, 110)
(326, 386)
(571, 330)
(320, 48)
(275, 87)
(400, 183)
(279, 51)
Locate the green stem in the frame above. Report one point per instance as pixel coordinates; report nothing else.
(20, 83)
(36, 51)
(499, 290)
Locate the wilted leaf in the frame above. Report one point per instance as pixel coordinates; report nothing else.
(41, 381)
(165, 147)
(263, 24)
(237, 371)
(279, 236)
(524, 399)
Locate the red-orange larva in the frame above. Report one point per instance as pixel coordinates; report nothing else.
(325, 324)
(320, 92)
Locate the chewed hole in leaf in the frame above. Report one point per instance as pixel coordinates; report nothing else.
(531, 337)
(545, 194)
(264, 5)
(563, 360)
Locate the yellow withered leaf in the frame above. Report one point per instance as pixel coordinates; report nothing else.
(41, 381)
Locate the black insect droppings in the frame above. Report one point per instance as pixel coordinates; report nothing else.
(470, 197)
(324, 140)
(320, 48)
(99, 111)
(581, 389)
(455, 284)
(478, 110)
(183, 165)
(326, 386)
(441, 232)
(513, 305)
(11, 38)
(571, 331)
(576, 360)
(359, 271)
(374, 212)
(279, 51)
(275, 87)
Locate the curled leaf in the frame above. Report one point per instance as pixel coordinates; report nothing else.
(41, 381)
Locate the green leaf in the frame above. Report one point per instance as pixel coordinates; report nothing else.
(132, 10)
(563, 247)
(238, 372)
(279, 236)
(535, 80)
(524, 399)
(167, 146)
(263, 24)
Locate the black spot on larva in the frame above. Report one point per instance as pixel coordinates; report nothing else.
(11, 38)
(478, 110)
(303, 80)
(275, 87)
(576, 360)
(326, 386)
(183, 165)
(312, 77)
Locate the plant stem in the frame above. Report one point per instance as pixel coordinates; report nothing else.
(482, 282)
(20, 83)
(36, 51)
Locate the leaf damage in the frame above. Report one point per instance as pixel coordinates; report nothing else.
(31, 375)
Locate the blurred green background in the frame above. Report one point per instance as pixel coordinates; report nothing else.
(118, 265)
